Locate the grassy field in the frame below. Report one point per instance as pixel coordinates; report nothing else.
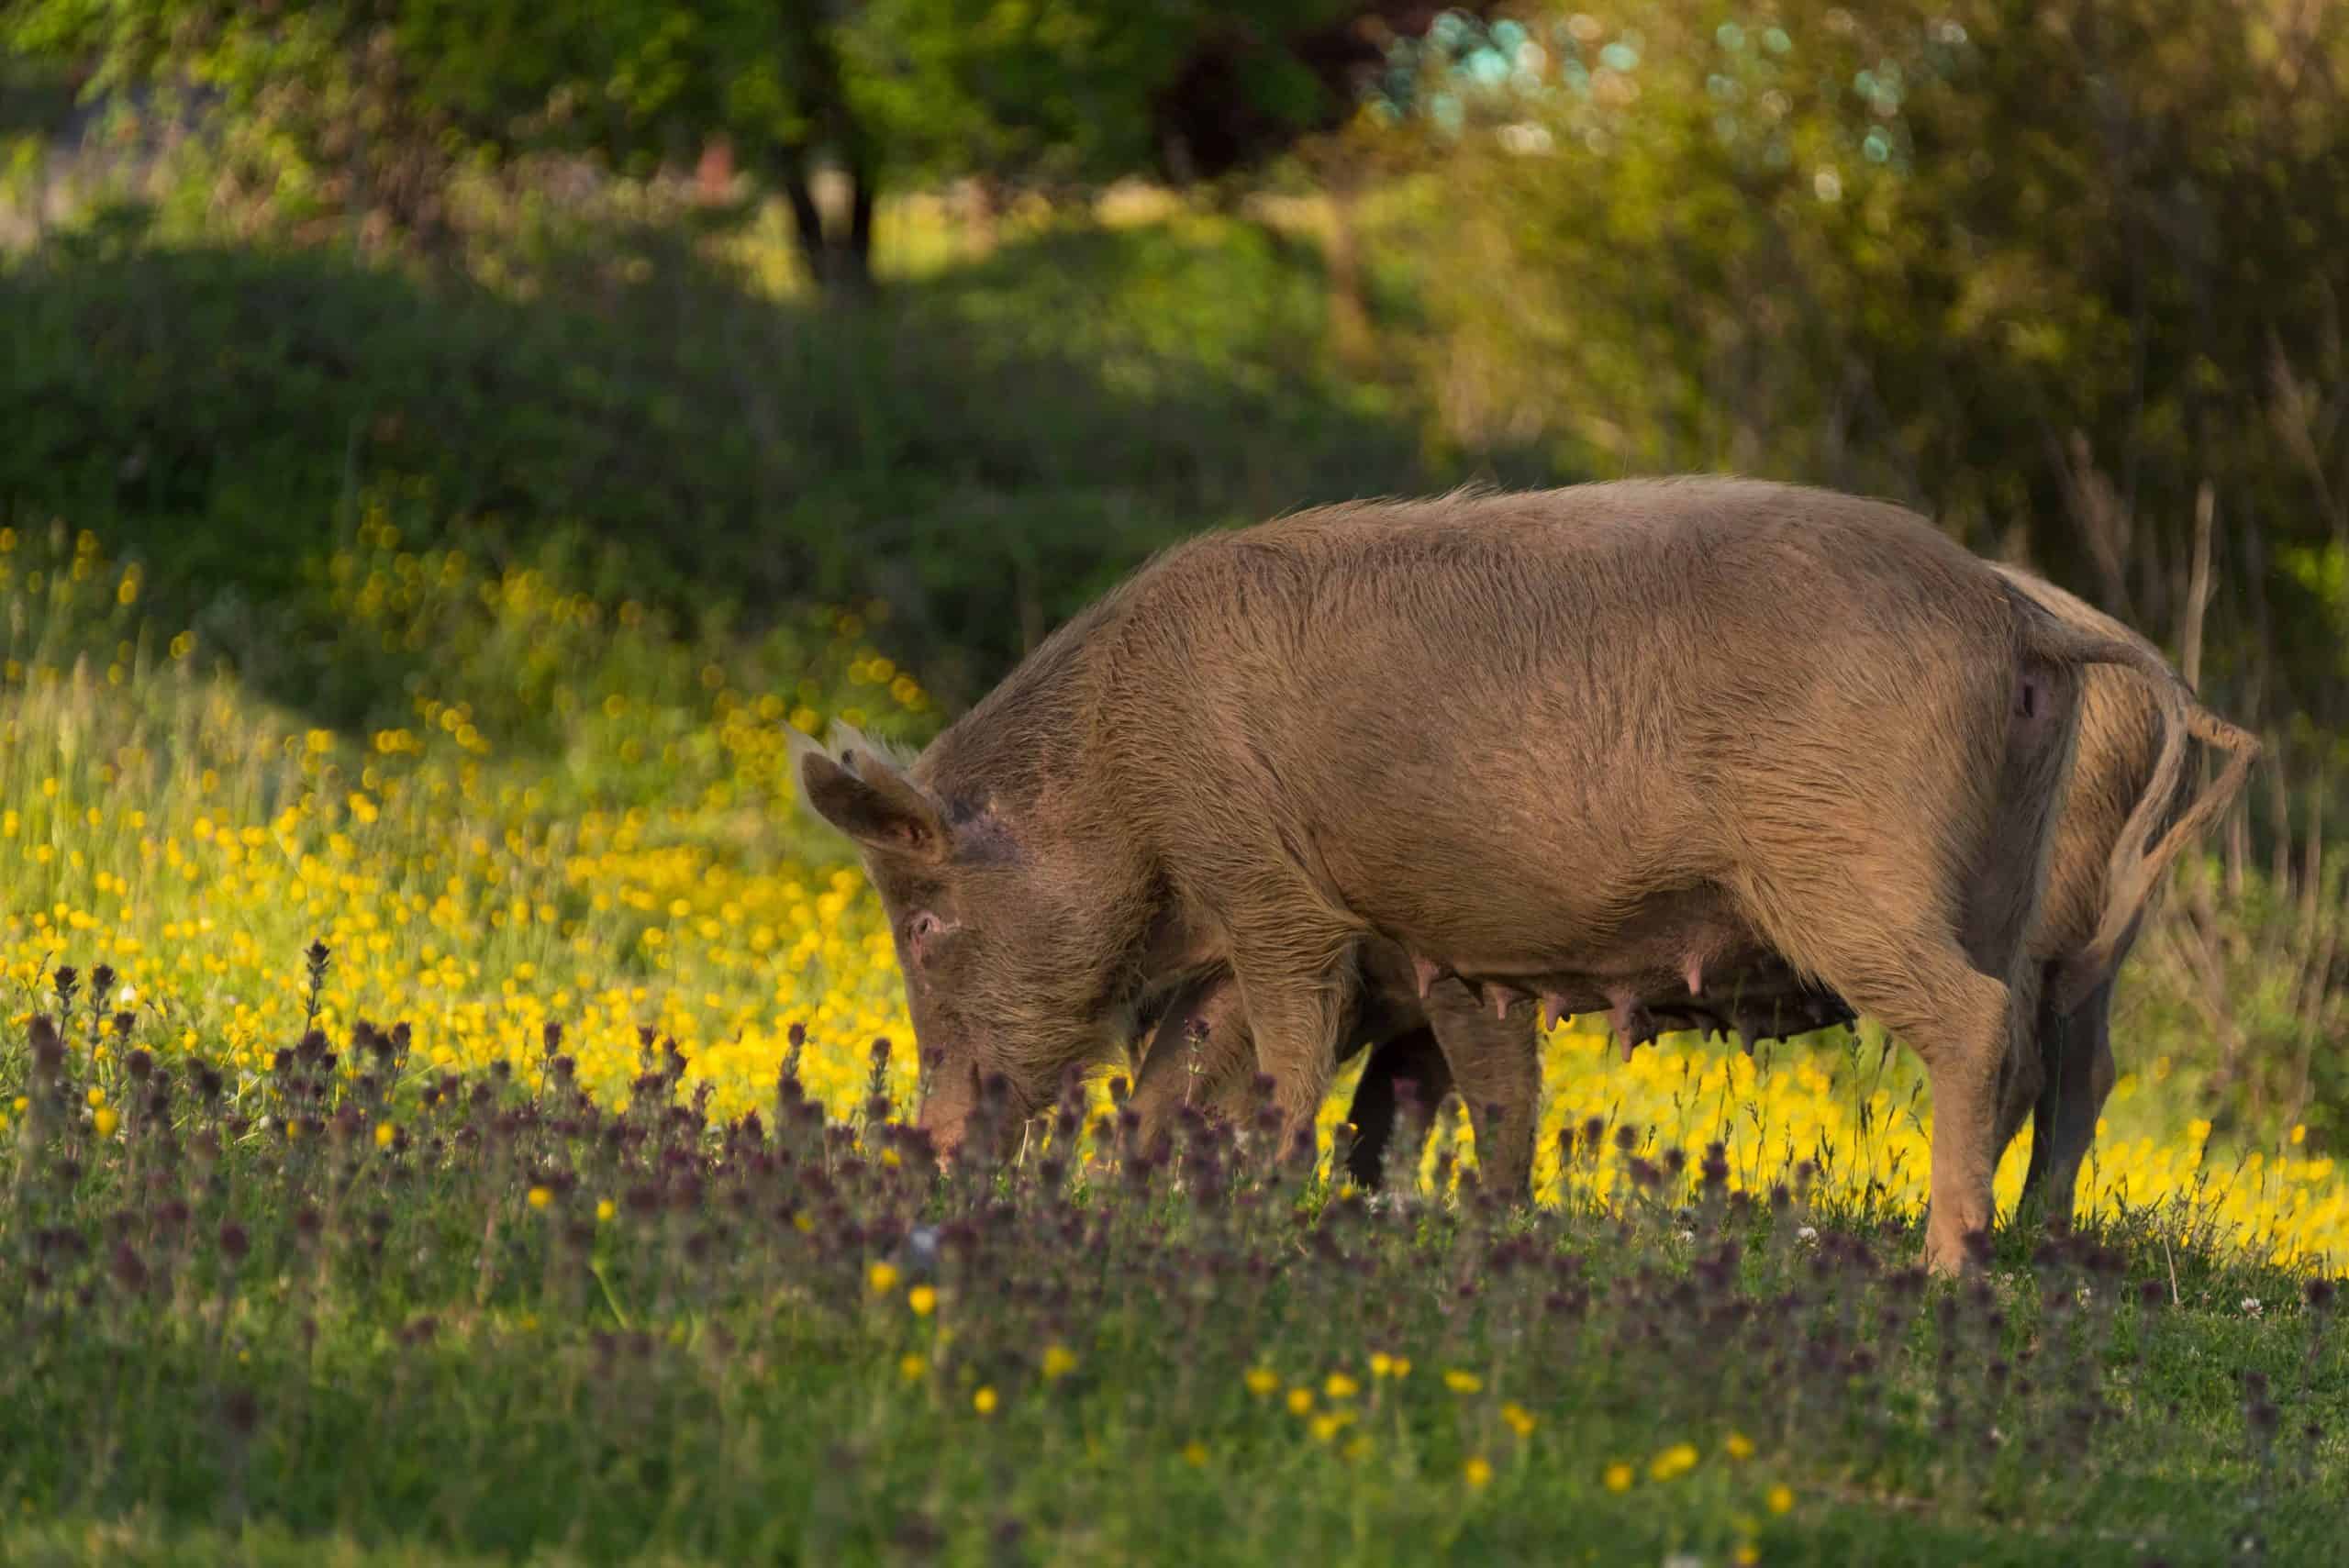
(613, 1248)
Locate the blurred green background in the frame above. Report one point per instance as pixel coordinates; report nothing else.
(961, 307)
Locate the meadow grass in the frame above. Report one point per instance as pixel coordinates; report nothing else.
(463, 1135)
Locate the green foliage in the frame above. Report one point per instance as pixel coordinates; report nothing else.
(1067, 88)
(2041, 269)
(368, 109)
(986, 449)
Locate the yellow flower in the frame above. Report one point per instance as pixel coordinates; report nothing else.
(1195, 1453)
(1300, 1400)
(1739, 1446)
(1676, 1461)
(1261, 1380)
(911, 1367)
(1059, 1361)
(1477, 1473)
(1618, 1477)
(1746, 1554)
(97, 1097)
(882, 1277)
(2300, 1134)
(384, 1133)
(1461, 1381)
(604, 1209)
(923, 1299)
(540, 1197)
(1520, 1419)
(1341, 1386)
(983, 1401)
(1781, 1500)
(1326, 1427)
(1381, 1363)
(106, 1121)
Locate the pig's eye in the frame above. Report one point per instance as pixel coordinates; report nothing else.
(922, 931)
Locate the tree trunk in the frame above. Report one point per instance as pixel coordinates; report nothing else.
(807, 221)
(856, 256)
(842, 263)
(839, 262)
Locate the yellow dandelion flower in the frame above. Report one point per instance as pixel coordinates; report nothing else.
(106, 1121)
(1059, 1361)
(1300, 1401)
(911, 1367)
(1520, 1419)
(1461, 1381)
(1326, 1427)
(1477, 1473)
(385, 1134)
(1739, 1446)
(605, 1210)
(1618, 1477)
(1195, 1453)
(984, 1401)
(923, 1299)
(1746, 1554)
(882, 1277)
(1781, 1500)
(1673, 1461)
(1341, 1386)
(540, 1197)
(1260, 1381)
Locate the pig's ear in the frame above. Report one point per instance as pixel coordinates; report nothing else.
(868, 799)
(850, 745)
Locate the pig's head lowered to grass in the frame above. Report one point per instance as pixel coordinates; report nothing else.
(1009, 934)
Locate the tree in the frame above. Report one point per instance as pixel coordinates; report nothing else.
(365, 106)
(2055, 271)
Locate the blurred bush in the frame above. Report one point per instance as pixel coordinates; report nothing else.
(986, 450)
(2044, 269)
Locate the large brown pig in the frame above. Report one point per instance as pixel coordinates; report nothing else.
(1200, 1052)
(1555, 745)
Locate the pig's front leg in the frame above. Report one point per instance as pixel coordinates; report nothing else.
(1296, 1012)
(1200, 1053)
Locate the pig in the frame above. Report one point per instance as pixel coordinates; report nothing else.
(1555, 744)
(2086, 928)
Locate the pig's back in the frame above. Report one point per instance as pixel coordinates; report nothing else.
(1585, 675)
